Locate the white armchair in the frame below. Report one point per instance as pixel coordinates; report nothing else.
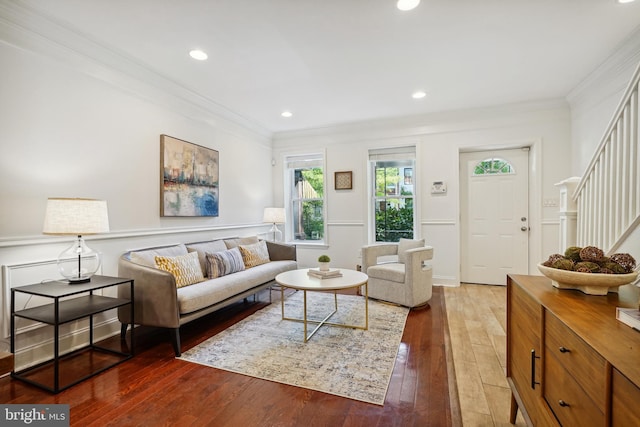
(406, 281)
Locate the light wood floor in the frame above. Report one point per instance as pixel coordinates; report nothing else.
(477, 324)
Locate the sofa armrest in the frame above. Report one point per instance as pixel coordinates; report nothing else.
(281, 251)
(156, 298)
(371, 253)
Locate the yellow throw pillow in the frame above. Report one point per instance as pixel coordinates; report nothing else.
(185, 268)
(255, 254)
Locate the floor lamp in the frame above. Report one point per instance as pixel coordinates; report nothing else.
(274, 216)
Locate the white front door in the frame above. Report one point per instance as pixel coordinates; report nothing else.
(494, 219)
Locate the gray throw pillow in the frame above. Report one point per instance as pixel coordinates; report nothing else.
(225, 262)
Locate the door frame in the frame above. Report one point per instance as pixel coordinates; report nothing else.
(535, 197)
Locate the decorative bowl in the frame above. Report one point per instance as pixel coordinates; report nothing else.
(589, 283)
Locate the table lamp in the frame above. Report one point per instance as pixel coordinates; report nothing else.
(274, 216)
(65, 217)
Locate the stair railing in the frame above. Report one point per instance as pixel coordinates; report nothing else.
(607, 195)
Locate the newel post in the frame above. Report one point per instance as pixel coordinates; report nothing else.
(568, 213)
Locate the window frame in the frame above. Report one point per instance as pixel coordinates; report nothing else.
(289, 192)
(407, 155)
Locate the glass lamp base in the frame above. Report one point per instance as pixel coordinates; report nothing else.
(78, 262)
(276, 233)
(77, 281)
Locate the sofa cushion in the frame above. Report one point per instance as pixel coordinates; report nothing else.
(213, 291)
(148, 256)
(224, 262)
(255, 254)
(234, 243)
(185, 268)
(203, 247)
(404, 245)
(393, 271)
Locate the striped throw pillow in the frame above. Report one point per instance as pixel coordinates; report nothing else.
(255, 254)
(223, 263)
(185, 268)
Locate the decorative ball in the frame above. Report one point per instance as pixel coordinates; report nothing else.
(613, 267)
(586, 267)
(573, 253)
(563, 264)
(626, 261)
(552, 258)
(591, 253)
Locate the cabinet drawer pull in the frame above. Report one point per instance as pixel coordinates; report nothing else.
(533, 369)
(564, 350)
(563, 403)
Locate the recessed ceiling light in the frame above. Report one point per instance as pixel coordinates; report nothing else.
(198, 54)
(286, 114)
(419, 94)
(407, 4)
(626, 1)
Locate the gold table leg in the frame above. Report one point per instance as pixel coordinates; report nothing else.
(305, 320)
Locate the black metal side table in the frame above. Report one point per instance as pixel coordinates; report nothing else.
(70, 303)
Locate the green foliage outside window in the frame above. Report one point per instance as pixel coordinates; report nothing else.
(393, 205)
(492, 167)
(394, 222)
(308, 208)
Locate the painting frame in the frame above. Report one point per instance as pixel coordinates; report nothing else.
(189, 179)
(343, 180)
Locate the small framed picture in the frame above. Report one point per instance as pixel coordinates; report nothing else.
(343, 180)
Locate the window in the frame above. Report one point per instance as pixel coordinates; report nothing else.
(392, 193)
(494, 166)
(305, 182)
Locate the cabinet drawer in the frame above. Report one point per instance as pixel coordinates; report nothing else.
(624, 401)
(582, 363)
(570, 403)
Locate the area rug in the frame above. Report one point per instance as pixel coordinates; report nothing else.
(351, 363)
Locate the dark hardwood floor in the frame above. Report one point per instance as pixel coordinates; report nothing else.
(156, 389)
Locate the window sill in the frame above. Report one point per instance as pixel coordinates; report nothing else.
(306, 244)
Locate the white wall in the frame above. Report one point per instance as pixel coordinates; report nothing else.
(439, 138)
(594, 101)
(73, 127)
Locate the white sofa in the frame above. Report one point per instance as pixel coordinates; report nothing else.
(160, 303)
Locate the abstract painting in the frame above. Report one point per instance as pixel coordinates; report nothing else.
(189, 178)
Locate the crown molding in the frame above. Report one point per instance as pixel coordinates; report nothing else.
(27, 29)
(611, 76)
(432, 123)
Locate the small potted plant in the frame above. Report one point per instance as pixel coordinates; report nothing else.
(323, 262)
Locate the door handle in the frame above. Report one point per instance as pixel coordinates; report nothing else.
(523, 228)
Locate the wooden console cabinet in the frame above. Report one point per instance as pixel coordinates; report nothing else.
(570, 362)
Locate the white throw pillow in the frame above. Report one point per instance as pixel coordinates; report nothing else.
(404, 245)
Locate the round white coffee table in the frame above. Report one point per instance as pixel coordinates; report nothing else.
(300, 280)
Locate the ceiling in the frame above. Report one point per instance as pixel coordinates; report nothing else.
(338, 61)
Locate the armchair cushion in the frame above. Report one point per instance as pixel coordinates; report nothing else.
(393, 271)
(406, 244)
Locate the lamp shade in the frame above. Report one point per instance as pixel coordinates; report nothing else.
(274, 215)
(75, 217)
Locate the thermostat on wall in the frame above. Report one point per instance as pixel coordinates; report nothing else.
(438, 187)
